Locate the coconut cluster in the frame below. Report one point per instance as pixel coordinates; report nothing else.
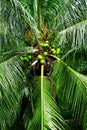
(44, 50)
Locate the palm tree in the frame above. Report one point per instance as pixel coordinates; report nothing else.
(37, 42)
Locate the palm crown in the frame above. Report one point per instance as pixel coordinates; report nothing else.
(33, 62)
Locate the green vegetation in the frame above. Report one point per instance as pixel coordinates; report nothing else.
(43, 65)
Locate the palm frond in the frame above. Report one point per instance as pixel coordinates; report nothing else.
(12, 27)
(15, 20)
(11, 77)
(72, 13)
(74, 35)
(69, 24)
(62, 14)
(32, 115)
(51, 115)
(26, 15)
(32, 7)
(72, 87)
(51, 9)
(14, 53)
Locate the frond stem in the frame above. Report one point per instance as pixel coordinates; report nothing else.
(42, 98)
(54, 57)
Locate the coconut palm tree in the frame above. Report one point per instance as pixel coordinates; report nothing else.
(38, 39)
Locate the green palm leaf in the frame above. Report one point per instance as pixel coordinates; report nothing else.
(77, 34)
(12, 27)
(69, 24)
(14, 24)
(51, 118)
(8, 55)
(72, 87)
(26, 15)
(11, 76)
